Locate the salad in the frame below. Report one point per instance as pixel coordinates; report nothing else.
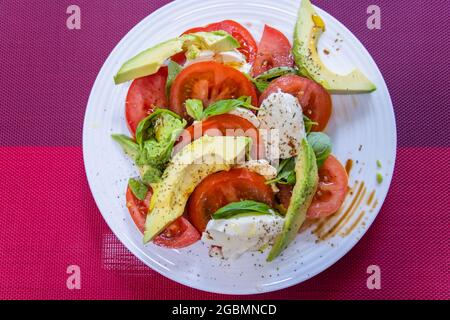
(228, 137)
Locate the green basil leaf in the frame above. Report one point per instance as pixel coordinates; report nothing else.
(130, 147)
(194, 108)
(286, 172)
(150, 174)
(225, 106)
(308, 124)
(157, 154)
(138, 188)
(261, 85)
(263, 80)
(247, 207)
(143, 132)
(275, 73)
(321, 144)
(173, 70)
(156, 135)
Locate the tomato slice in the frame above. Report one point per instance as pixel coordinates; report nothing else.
(222, 188)
(239, 32)
(224, 125)
(331, 192)
(143, 96)
(284, 195)
(179, 234)
(314, 99)
(274, 51)
(209, 82)
(332, 189)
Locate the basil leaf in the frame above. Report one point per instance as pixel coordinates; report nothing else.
(286, 172)
(138, 188)
(130, 147)
(156, 135)
(225, 106)
(308, 124)
(263, 80)
(247, 207)
(194, 108)
(275, 73)
(142, 132)
(321, 144)
(157, 153)
(261, 85)
(173, 70)
(150, 174)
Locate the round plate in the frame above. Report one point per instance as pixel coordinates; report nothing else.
(362, 129)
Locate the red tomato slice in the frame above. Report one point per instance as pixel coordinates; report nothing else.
(331, 192)
(209, 82)
(222, 188)
(179, 58)
(239, 32)
(285, 194)
(179, 234)
(274, 51)
(224, 125)
(143, 96)
(314, 99)
(332, 189)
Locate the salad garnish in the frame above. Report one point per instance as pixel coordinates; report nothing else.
(194, 107)
(242, 209)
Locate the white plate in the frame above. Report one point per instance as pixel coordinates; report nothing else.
(358, 120)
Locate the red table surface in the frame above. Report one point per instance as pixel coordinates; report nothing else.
(48, 217)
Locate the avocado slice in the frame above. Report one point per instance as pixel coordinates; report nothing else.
(302, 195)
(217, 41)
(308, 30)
(149, 61)
(186, 170)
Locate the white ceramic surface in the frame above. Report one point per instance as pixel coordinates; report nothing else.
(362, 128)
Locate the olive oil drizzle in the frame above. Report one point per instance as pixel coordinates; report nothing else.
(347, 215)
(371, 197)
(354, 224)
(349, 166)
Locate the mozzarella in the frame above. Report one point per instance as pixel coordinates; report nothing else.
(238, 235)
(232, 58)
(246, 114)
(281, 123)
(261, 167)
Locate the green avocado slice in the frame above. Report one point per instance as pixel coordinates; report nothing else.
(308, 30)
(185, 171)
(149, 61)
(307, 180)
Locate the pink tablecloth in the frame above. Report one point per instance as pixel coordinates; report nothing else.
(49, 220)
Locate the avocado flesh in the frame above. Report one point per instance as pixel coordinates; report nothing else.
(149, 61)
(186, 170)
(217, 41)
(302, 196)
(307, 32)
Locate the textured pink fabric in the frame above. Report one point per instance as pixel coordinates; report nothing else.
(49, 221)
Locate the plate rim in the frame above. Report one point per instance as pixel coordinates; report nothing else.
(137, 252)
